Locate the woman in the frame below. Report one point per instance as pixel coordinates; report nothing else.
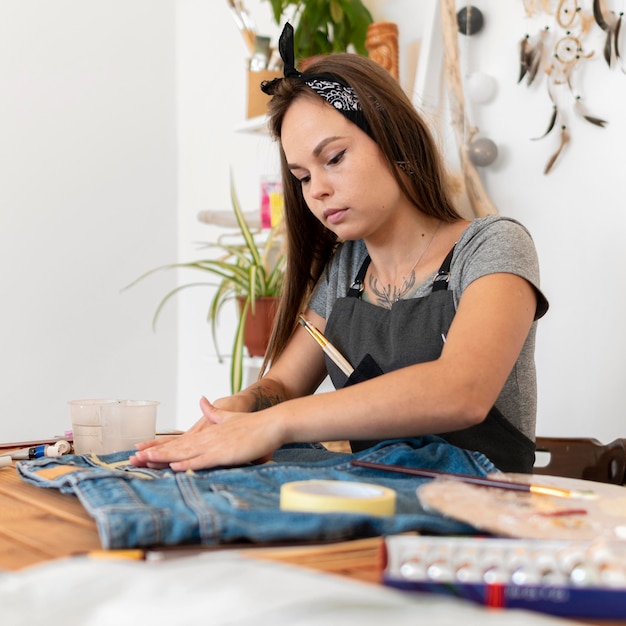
(436, 313)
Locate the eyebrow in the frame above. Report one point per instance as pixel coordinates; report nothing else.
(317, 150)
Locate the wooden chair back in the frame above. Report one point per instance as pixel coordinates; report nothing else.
(584, 458)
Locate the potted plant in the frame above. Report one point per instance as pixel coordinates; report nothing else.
(324, 26)
(251, 271)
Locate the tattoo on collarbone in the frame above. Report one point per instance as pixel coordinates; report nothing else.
(387, 296)
(262, 400)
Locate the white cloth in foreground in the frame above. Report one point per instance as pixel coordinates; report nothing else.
(224, 588)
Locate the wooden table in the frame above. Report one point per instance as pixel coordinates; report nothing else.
(39, 525)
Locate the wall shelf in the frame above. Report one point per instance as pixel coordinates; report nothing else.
(228, 218)
(254, 125)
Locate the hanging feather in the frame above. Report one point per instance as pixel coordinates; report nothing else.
(598, 13)
(607, 49)
(610, 24)
(580, 109)
(531, 54)
(616, 39)
(551, 124)
(565, 137)
(524, 46)
(553, 117)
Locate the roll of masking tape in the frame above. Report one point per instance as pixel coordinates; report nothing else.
(334, 496)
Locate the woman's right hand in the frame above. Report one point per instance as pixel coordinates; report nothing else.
(220, 438)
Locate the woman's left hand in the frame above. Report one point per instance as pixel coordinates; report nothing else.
(219, 438)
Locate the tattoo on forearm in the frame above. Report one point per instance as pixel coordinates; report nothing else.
(263, 400)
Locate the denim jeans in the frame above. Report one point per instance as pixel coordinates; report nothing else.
(139, 507)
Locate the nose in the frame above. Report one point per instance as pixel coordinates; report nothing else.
(319, 186)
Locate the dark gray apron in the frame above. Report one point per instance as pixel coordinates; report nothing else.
(376, 340)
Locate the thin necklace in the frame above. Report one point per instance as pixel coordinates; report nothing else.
(408, 282)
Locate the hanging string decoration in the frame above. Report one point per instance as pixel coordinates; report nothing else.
(481, 151)
(471, 184)
(559, 49)
(470, 20)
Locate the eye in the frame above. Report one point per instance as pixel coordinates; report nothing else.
(301, 175)
(337, 158)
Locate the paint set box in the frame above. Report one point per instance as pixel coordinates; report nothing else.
(583, 579)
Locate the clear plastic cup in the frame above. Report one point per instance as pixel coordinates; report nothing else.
(87, 424)
(126, 423)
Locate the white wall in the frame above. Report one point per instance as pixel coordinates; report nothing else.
(575, 213)
(87, 203)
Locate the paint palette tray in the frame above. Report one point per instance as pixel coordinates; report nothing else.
(566, 578)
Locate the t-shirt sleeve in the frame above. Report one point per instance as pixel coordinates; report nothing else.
(320, 295)
(503, 245)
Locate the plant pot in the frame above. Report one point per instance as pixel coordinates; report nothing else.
(259, 325)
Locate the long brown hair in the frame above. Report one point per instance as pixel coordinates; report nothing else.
(407, 145)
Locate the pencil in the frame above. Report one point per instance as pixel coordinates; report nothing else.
(338, 359)
(544, 490)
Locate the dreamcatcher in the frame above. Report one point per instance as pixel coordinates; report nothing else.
(559, 50)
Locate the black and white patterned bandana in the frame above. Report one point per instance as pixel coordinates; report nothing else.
(340, 96)
(337, 95)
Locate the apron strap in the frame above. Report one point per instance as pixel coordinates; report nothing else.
(440, 281)
(356, 289)
(442, 277)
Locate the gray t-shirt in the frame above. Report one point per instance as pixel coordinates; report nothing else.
(489, 245)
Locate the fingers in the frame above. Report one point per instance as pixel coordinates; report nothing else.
(138, 462)
(205, 405)
(237, 441)
(178, 453)
(144, 445)
(165, 450)
(220, 438)
(210, 412)
(175, 457)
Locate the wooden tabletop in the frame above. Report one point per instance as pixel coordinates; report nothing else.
(38, 525)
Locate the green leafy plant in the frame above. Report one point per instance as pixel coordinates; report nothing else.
(324, 26)
(247, 270)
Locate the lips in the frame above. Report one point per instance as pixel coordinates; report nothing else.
(333, 216)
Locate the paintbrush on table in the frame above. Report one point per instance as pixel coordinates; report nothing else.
(338, 359)
(544, 490)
